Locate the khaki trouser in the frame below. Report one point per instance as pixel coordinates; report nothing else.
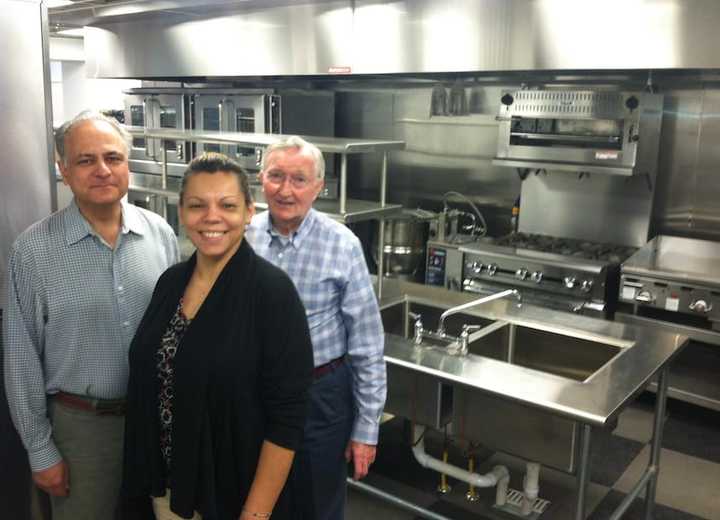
(161, 508)
(92, 446)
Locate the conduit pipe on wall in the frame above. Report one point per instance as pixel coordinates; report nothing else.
(499, 476)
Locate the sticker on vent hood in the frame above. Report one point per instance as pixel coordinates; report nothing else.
(606, 155)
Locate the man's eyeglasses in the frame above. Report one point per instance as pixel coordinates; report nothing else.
(296, 181)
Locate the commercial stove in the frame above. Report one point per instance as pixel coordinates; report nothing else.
(673, 284)
(676, 275)
(560, 273)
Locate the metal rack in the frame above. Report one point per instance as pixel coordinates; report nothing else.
(343, 210)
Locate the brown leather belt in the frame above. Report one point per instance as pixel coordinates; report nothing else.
(328, 367)
(90, 404)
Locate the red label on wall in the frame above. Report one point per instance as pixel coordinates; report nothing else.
(339, 70)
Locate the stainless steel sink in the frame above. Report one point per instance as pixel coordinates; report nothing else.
(550, 352)
(476, 416)
(535, 383)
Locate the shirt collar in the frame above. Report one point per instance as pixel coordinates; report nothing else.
(77, 227)
(296, 237)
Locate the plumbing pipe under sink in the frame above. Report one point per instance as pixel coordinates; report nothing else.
(499, 476)
(531, 487)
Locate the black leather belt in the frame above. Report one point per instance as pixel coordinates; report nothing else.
(328, 367)
(92, 405)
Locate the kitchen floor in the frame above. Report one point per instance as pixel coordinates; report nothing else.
(688, 488)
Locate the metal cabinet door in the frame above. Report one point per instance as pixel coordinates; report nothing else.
(231, 113)
(156, 111)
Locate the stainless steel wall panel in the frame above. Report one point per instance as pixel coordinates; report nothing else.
(595, 207)
(688, 182)
(26, 157)
(442, 153)
(706, 208)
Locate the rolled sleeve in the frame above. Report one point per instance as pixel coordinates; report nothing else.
(365, 348)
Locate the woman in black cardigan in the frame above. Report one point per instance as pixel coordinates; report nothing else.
(219, 367)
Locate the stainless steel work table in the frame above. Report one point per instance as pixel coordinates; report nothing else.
(594, 402)
(343, 210)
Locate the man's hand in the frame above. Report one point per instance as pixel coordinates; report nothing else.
(362, 456)
(55, 480)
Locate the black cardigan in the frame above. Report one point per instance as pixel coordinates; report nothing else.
(242, 374)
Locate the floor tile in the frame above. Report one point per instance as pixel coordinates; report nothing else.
(610, 457)
(361, 506)
(636, 511)
(693, 431)
(556, 486)
(456, 512)
(686, 483)
(636, 422)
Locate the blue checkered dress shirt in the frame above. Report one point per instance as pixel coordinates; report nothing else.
(325, 261)
(73, 307)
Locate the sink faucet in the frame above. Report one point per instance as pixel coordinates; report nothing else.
(475, 303)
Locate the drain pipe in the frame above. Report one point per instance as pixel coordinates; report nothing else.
(531, 487)
(499, 476)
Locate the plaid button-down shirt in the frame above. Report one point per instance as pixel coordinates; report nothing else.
(73, 306)
(325, 261)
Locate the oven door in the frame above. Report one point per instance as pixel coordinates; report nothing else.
(156, 111)
(232, 113)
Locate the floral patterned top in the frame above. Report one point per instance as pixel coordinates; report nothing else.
(165, 357)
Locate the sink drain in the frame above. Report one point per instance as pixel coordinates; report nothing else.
(513, 505)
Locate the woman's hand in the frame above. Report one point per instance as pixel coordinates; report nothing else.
(252, 515)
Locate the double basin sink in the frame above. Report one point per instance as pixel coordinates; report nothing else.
(529, 380)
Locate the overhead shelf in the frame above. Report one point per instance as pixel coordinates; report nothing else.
(325, 144)
(355, 211)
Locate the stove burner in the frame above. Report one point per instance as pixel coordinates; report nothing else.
(568, 247)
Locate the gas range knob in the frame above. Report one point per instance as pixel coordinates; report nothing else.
(537, 276)
(492, 269)
(569, 282)
(477, 267)
(521, 274)
(586, 285)
(701, 306)
(645, 296)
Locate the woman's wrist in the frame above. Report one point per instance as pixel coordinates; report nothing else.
(254, 515)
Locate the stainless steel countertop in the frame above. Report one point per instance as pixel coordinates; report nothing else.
(679, 259)
(325, 144)
(596, 401)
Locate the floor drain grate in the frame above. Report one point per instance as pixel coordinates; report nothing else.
(514, 505)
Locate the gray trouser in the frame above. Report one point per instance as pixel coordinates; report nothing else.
(92, 446)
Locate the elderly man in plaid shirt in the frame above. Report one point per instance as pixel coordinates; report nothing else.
(325, 261)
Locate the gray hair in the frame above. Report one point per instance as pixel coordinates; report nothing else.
(87, 115)
(301, 144)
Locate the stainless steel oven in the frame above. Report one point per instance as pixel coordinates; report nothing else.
(236, 111)
(157, 108)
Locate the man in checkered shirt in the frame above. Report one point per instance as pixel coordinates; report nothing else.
(78, 284)
(325, 261)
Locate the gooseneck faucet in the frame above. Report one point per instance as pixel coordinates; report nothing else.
(475, 303)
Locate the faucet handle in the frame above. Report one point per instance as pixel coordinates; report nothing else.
(468, 329)
(418, 328)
